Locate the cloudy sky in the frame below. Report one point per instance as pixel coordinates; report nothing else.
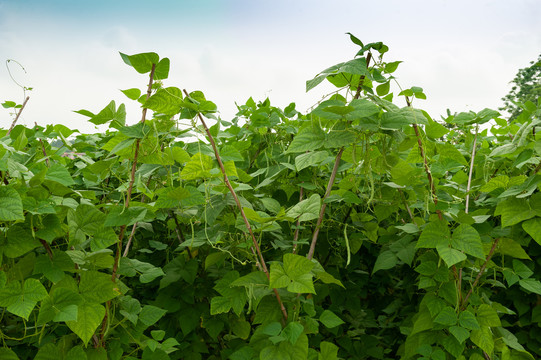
(463, 53)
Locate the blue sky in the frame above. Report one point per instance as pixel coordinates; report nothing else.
(463, 53)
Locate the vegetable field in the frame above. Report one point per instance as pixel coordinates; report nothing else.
(362, 229)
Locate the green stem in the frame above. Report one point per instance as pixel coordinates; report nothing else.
(324, 205)
(471, 170)
(315, 235)
(132, 178)
(481, 271)
(296, 235)
(425, 162)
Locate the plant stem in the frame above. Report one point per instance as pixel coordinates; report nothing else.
(239, 206)
(406, 205)
(132, 179)
(324, 205)
(468, 187)
(315, 235)
(471, 170)
(296, 235)
(180, 234)
(361, 80)
(47, 248)
(134, 227)
(44, 151)
(18, 114)
(537, 168)
(425, 162)
(481, 271)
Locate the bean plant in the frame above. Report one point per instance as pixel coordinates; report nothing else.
(361, 229)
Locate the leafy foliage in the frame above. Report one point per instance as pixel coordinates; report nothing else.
(386, 234)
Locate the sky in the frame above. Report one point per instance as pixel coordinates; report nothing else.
(463, 53)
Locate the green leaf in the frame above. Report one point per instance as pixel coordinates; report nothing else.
(512, 248)
(242, 329)
(48, 352)
(162, 69)
(308, 139)
(253, 278)
(383, 89)
(130, 309)
(88, 219)
(339, 138)
(386, 260)
(271, 205)
(132, 94)
(198, 166)
(397, 119)
(142, 63)
(272, 329)
(450, 151)
(467, 320)
(329, 319)
(511, 340)
(522, 270)
(533, 228)
(352, 67)
(61, 305)
(166, 101)
(180, 197)
(307, 209)
(435, 130)
(295, 274)
(89, 317)
(21, 301)
(450, 256)
(292, 331)
(502, 150)
(103, 238)
(531, 285)
(267, 311)
(422, 322)
(459, 333)
(328, 350)
(435, 234)
(447, 316)
(151, 314)
(97, 287)
(110, 113)
(274, 352)
(513, 211)
(12, 205)
(495, 183)
(119, 215)
(487, 316)
(8, 354)
(77, 353)
(232, 297)
(60, 174)
(483, 338)
(467, 239)
(137, 131)
(54, 268)
(9, 104)
(310, 159)
(20, 240)
(180, 155)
